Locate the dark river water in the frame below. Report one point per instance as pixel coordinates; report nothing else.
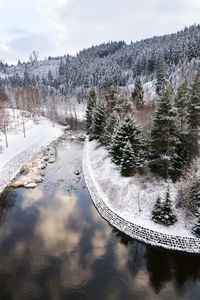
(55, 245)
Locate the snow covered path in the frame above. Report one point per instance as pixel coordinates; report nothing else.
(22, 149)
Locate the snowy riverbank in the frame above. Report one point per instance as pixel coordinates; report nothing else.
(130, 201)
(21, 149)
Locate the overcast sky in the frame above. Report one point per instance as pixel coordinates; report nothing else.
(57, 27)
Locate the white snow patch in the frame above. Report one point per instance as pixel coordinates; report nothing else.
(21, 149)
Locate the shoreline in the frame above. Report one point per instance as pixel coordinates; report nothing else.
(9, 171)
(138, 232)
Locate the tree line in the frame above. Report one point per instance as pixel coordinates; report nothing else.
(168, 148)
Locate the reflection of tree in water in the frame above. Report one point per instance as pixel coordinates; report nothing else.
(7, 200)
(4, 288)
(159, 266)
(164, 266)
(6, 203)
(136, 251)
(124, 239)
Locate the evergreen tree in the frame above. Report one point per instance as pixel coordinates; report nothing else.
(129, 160)
(182, 152)
(50, 77)
(137, 94)
(194, 116)
(111, 124)
(181, 102)
(194, 197)
(196, 228)
(160, 78)
(89, 110)
(97, 127)
(126, 131)
(182, 148)
(61, 70)
(111, 97)
(164, 140)
(162, 212)
(156, 212)
(27, 79)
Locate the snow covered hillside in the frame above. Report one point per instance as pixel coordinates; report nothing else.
(38, 133)
(114, 63)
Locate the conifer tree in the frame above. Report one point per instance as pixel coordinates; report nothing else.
(156, 212)
(89, 110)
(163, 212)
(97, 127)
(129, 160)
(194, 116)
(27, 79)
(126, 131)
(137, 94)
(182, 149)
(160, 77)
(111, 97)
(111, 124)
(194, 196)
(181, 102)
(182, 152)
(196, 228)
(164, 140)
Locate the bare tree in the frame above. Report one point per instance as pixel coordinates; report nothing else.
(34, 57)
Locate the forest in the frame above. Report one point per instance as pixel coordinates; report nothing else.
(161, 137)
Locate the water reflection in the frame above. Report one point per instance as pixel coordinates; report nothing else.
(6, 203)
(177, 267)
(54, 245)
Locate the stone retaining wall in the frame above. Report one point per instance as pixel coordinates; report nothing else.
(12, 167)
(148, 236)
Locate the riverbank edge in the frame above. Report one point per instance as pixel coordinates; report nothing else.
(12, 167)
(142, 234)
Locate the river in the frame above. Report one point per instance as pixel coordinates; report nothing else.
(54, 245)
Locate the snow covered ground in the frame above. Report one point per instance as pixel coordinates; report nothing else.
(21, 149)
(132, 198)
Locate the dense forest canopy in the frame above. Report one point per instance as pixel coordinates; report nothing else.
(112, 63)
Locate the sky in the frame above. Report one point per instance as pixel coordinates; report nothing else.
(58, 27)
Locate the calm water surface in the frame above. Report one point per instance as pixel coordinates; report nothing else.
(54, 245)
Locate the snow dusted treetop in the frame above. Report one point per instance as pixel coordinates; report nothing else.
(163, 140)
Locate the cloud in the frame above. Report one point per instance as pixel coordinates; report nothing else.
(66, 26)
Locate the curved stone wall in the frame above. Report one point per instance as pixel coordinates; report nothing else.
(148, 236)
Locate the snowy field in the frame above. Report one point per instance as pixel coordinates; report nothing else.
(20, 149)
(132, 198)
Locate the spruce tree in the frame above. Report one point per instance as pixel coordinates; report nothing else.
(111, 124)
(129, 159)
(194, 116)
(111, 97)
(97, 127)
(194, 197)
(163, 212)
(156, 212)
(181, 102)
(126, 131)
(182, 149)
(137, 94)
(89, 110)
(163, 139)
(182, 152)
(160, 77)
(196, 228)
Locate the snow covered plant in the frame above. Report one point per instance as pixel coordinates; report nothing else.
(196, 228)
(162, 212)
(189, 192)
